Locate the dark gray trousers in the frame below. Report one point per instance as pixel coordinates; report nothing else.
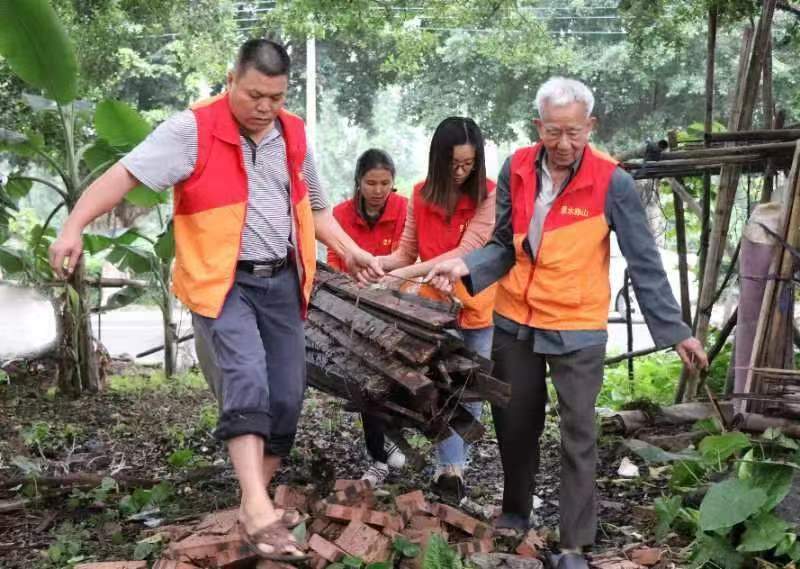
(253, 357)
(577, 378)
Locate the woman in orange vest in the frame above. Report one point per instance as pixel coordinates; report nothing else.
(375, 215)
(451, 213)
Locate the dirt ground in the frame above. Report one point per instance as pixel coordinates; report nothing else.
(132, 431)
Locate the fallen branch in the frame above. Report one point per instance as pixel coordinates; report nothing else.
(93, 479)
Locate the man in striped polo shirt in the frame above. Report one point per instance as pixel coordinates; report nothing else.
(248, 204)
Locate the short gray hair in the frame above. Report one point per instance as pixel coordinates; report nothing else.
(560, 92)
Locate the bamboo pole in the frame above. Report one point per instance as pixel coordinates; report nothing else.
(729, 179)
(708, 121)
(770, 168)
(754, 135)
(765, 149)
(683, 266)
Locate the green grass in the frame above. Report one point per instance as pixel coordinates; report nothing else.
(156, 381)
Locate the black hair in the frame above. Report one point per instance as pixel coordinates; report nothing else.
(438, 188)
(268, 57)
(370, 160)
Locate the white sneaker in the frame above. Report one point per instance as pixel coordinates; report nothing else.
(376, 474)
(394, 456)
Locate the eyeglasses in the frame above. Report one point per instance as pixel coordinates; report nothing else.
(572, 133)
(466, 165)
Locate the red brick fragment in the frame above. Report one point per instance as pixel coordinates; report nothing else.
(647, 556)
(172, 564)
(462, 521)
(412, 503)
(360, 540)
(218, 523)
(468, 548)
(390, 533)
(317, 561)
(213, 550)
(318, 525)
(531, 545)
(364, 499)
(421, 536)
(325, 548)
(114, 565)
(424, 522)
(287, 497)
(357, 485)
(382, 519)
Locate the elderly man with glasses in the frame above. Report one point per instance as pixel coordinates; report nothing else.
(557, 202)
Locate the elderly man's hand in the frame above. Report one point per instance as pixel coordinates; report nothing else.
(444, 275)
(65, 252)
(692, 354)
(366, 268)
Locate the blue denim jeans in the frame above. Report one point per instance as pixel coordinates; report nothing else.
(453, 450)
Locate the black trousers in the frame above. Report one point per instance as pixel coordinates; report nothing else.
(577, 377)
(374, 436)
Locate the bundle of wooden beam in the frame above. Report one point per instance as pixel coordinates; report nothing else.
(753, 151)
(397, 356)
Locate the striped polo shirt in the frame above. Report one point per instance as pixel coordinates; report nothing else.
(168, 156)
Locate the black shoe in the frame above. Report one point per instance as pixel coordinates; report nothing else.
(515, 522)
(567, 561)
(450, 487)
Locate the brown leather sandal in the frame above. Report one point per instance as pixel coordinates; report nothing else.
(292, 517)
(275, 535)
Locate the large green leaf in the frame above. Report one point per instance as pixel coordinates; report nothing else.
(652, 453)
(17, 189)
(123, 297)
(774, 479)
(95, 243)
(142, 196)
(729, 502)
(10, 260)
(667, 509)
(16, 142)
(720, 447)
(715, 551)
(763, 532)
(165, 246)
(101, 154)
(120, 125)
(128, 257)
(37, 48)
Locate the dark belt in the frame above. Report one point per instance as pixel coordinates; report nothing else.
(263, 269)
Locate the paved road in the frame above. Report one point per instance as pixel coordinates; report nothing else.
(27, 323)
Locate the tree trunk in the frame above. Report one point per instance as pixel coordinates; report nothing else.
(170, 336)
(78, 369)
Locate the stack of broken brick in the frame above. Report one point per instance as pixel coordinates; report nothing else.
(348, 523)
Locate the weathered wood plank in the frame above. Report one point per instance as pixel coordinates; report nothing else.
(374, 358)
(390, 303)
(386, 334)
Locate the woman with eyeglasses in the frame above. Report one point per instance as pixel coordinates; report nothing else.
(450, 213)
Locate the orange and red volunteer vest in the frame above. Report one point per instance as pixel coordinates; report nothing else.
(567, 287)
(380, 239)
(436, 235)
(211, 205)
